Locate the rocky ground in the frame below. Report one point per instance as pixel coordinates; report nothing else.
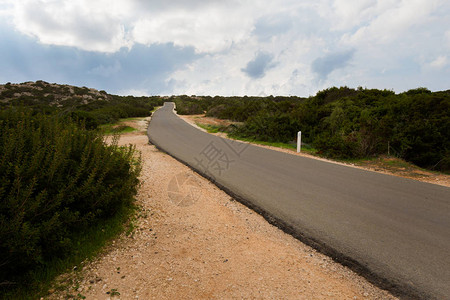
(192, 241)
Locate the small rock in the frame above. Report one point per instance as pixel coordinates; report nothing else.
(98, 279)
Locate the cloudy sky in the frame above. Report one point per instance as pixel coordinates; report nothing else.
(227, 47)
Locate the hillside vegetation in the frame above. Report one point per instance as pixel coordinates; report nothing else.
(62, 187)
(342, 122)
(88, 105)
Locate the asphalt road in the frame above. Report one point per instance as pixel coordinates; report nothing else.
(394, 231)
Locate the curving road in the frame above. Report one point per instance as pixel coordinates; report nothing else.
(394, 231)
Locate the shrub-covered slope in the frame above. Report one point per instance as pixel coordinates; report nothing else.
(89, 105)
(343, 122)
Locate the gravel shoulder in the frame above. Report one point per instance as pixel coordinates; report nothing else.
(192, 241)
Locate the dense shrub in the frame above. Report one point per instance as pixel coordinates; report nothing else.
(275, 127)
(344, 122)
(189, 106)
(56, 179)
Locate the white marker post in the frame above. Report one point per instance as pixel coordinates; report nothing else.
(299, 141)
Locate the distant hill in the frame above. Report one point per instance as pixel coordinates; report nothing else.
(91, 106)
(41, 92)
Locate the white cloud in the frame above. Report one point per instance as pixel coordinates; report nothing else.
(6, 7)
(107, 26)
(393, 21)
(222, 73)
(439, 63)
(82, 24)
(350, 13)
(206, 29)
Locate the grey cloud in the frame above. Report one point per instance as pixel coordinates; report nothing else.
(258, 67)
(270, 26)
(323, 66)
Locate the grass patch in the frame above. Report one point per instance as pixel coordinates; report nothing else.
(356, 161)
(155, 108)
(290, 146)
(397, 163)
(115, 129)
(119, 127)
(273, 144)
(129, 119)
(208, 127)
(89, 244)
(308, 149)
(391, 164)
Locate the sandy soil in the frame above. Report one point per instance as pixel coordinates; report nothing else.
(379, 165)
(192, 241)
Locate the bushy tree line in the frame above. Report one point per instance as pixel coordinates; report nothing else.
(56, 180)
(344, 122)
(89, 106)
(102, 112)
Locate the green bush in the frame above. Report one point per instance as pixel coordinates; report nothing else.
(343, 122)
(56, 180)
(189, 106)
(268, 127)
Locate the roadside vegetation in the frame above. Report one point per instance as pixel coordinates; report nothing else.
(209, 128)
(64, 191)
(118, 127)
(342, 123)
